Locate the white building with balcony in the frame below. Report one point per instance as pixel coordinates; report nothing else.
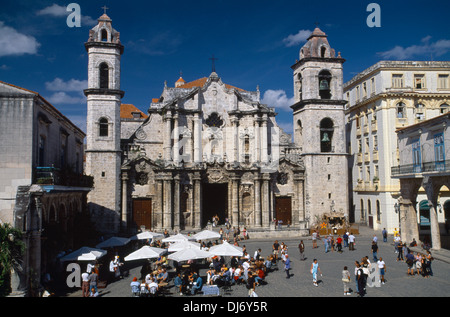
(383, 98)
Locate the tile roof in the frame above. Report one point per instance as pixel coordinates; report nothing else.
(201, 82)
(126, 111)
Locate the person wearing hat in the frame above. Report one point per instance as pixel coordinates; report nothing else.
(135, 286)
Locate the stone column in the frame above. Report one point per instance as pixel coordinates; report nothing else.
(257, 195)
(157, 220)
(125, 215)
(167, 137)
(265, 201)
(235, 201)
(176, 138)
(264, 140)
(432, 191)
(176, 204)
(257, 154)
(167, 211)
(408, 215)
(197, 138)
(235, 122)
(197, 212)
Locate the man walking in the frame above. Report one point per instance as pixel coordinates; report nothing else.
(374, 251)
(301, 248)
(287, 266)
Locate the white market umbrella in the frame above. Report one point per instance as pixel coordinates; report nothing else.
(189, 254)
(113, 242)
(145, 252)
(146, 235)
(226, 249)
(206, 235)
(178, 246)
(177, 238)
(84, 254)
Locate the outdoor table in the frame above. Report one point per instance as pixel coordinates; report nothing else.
(210, 290)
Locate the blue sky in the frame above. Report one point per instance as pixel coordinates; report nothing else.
(255, 42)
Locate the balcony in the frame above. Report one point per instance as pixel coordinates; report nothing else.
(55, 176)
(426, 167)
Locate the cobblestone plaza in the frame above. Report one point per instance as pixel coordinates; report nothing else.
(398, 283)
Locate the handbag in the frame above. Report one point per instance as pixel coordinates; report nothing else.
(345, 280)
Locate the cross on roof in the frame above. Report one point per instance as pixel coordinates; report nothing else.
(104, 9)
(213, 63)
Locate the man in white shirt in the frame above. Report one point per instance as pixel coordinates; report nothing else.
(351, 242)
(382, 268)
(85, 284)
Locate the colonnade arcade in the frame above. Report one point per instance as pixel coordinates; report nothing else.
(409, 188)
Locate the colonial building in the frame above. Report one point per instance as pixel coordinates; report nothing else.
(423, 166)
(206, 148)
(42, 187)
(383, 98)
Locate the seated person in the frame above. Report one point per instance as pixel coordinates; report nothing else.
(178, 282)
(144, 288)
(197, 285)
(153, 288)
(163, 276)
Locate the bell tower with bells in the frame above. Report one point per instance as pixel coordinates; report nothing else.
(103, 152)
(319, 126)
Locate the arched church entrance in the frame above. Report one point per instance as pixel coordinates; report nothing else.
(214, 202)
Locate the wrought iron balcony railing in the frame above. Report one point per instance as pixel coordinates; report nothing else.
(425, 167)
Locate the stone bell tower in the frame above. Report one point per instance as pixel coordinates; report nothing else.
(319, 126)
(103, 153)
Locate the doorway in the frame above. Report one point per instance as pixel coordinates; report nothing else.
(214, 202)
(142, 213)
(283, 210)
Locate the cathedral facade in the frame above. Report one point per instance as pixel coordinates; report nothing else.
(206, 148)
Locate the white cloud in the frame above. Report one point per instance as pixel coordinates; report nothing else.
(61, 11)
(277, 99)
(72, 85)
(54, 10)
(296, 39)
(13, 42)
(426, 49)
(60, 98)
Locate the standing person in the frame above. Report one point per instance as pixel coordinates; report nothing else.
(346, 280)
(85, 284)
(314, 270)
(301, 248)
(410, 262)
(384, 233)
(345, 237)
(351, 242)
(400, 251)
(374, 251)
(251, 285)
(276, 249)
(339, 244)
(314, 239)
(287, 266)
(357, 266)
(382, 267)
(93, 281)
(360, 280)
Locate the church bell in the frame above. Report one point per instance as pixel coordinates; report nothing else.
(324, 85)
(325, 137)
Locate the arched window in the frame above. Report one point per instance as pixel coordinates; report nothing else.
(323, 50)
(444, 108)
(420, 111)
(401, 110)
(326, 135)
(103, 127)
(325, 84)
(104, 76)
(214, 121)
(104, 35)
(362, 210)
